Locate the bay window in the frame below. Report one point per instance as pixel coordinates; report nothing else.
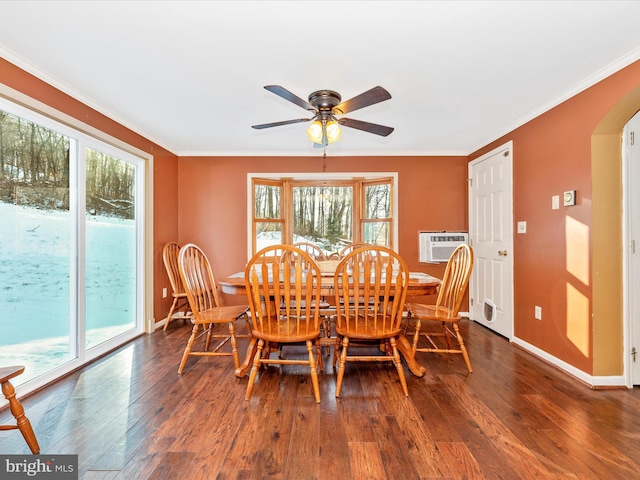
(327, 212)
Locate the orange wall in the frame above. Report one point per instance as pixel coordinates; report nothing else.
(552, 154)
(165, 163)
(212, 192)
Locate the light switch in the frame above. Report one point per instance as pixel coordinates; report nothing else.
(522, 227)
(555, 202)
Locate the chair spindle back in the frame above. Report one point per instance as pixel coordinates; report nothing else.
(377, 280)
(198, 280)
(455, 281)
(283, 288)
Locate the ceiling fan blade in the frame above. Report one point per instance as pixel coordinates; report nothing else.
(366, 126)
(370, 97)
(287, 95)
(278, 124)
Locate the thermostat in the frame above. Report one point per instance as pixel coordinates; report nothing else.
(569, 198)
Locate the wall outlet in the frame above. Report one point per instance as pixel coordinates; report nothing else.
(164, 292)
(537, 312)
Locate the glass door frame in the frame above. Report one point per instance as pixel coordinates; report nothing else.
(81, 136)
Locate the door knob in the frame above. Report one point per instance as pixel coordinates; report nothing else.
(502, 253)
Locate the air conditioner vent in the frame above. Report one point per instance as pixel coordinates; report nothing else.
(438, 246)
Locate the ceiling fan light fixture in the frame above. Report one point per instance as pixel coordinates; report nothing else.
(333, 131)
(325, 105)
(314, 132)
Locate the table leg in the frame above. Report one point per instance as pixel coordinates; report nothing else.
(244, 368)
(404, 347)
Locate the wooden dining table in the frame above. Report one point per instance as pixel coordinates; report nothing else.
(420, 284)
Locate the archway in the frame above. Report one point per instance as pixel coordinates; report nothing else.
(607, 227)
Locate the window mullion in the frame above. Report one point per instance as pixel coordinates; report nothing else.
(287, 211)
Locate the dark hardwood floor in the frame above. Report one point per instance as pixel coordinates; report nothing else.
(130, 415)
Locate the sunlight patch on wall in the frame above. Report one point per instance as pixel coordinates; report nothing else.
(577, 248)
(578, 327)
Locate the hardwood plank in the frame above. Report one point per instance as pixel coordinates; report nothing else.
(455, 412)
(425, 401)
(101, 474)
(512, 451)
(416, 438)
(173, 465)
(334, 442)
(143, 464)
(398, 462)
(460, 461)
(613, 458)
(276, 393)
(366, 461)
(305, 435)
(353, 406)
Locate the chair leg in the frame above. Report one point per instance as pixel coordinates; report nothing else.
(416, 336)
(342, 365)
(187, 350)
(23, 423)
(447, 336)
(207, 342)
(336, 351)
(234, 345)
(326, 326)
(398, 363)
(319, 355)
(314, 371)
(463, 348)
(254, 369)
(173, 307)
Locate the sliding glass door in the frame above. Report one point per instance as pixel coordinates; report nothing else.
(110, 246)
(71, 243)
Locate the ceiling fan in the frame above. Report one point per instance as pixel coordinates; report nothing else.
(326, 105)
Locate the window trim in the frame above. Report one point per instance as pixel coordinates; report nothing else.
(298, 177)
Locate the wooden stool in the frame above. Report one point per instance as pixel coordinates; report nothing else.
(23, 424)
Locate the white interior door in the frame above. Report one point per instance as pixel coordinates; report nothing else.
(632, 152)
(491, 236)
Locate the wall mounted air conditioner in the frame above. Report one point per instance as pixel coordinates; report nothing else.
(438, 246)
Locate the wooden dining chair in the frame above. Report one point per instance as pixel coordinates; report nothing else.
(200, 286)
(326, 310)
(444, 313)
(345, 251)
(284, 301)
(17, 410)
(371, 287)
(180, 306)
(312, 249)
(350, 247)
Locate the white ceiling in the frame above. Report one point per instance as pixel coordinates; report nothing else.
(189, 75)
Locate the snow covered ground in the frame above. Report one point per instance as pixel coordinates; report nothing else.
(35, 285)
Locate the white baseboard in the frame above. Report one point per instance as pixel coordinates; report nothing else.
(593, 381)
